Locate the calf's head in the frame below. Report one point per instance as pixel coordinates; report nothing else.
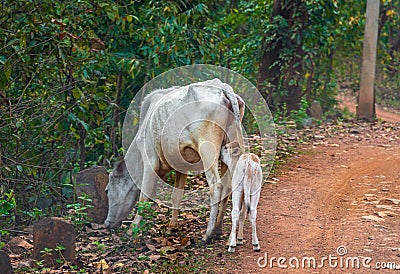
(230, 153)
(122, 194)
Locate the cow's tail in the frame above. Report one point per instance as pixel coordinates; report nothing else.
(235, 129)
(233, 100)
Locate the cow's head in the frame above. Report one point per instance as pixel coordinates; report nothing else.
(122, 194)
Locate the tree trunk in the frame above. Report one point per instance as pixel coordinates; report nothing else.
(115, 116)
(366, 99)
(275, 72)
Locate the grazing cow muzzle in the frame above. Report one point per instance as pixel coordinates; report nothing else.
(109, 224)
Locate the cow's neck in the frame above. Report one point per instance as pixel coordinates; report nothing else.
(134, 162)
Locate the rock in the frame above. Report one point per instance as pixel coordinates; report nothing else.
(383, 214)
(24, 264)
(51, 233)
(307, 122)
(354, 131)
(18, 245)
(389, 201)
(93, 182)
(5, 263)
(316, 110)
(372, 218)
(387, 207)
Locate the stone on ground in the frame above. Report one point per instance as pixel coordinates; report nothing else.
(51, 234)
(93, 182)
(5, 263)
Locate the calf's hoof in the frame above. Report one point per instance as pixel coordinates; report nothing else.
(256, 247)
(239, 242)
(231, 249)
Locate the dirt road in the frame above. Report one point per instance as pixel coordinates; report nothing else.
(382, 113)
(335, 208)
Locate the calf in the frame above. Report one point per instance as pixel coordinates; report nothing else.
(246, 186)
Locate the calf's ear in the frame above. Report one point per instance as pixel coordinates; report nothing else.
(236, 151)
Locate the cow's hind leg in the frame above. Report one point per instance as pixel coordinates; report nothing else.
(177, 195)
(215, 195)
(226, 190)
(210, 163)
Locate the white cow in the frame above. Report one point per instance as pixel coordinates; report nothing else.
(182, 129)
(246, 186)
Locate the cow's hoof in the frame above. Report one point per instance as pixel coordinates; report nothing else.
(239, 242)
(171, 230)
(218, 232)
(231, 249)
(218, 236)
(207, 239)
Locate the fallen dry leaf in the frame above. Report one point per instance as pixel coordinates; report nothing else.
(185, 241)
(102, 264)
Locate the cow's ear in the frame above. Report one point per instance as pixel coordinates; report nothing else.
(119, 168)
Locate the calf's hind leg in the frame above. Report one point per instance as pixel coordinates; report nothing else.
(253, 220)
(235, 218)
(242, 218)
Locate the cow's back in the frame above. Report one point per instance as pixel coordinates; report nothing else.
(179, 122)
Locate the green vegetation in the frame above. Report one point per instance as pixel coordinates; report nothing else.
(68, 70)
(145, 210)
(78, 213)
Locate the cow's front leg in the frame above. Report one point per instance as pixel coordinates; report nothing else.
(177, 195)
(147, 190)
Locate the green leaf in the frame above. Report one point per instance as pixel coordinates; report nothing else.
(72, 116)
(102, 105)
(77, 93)
(7, 73)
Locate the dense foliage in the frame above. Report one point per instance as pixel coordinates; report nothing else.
(68, 70)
